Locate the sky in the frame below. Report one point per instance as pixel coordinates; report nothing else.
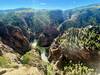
(45, 4)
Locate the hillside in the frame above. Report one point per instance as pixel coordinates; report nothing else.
(50, 42)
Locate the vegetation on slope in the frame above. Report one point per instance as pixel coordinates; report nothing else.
(75, 44)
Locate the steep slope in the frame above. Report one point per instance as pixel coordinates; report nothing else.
(33, 20)
(77, 45)
(13, 37)
(81, 17)
(75, 35)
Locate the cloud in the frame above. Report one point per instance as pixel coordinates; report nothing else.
(43, 3)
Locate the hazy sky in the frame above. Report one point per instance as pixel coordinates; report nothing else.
(45, 4)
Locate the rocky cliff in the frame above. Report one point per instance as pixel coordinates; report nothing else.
(14, 37)
(77, 45)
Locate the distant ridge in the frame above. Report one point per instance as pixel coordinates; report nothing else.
(97, 5)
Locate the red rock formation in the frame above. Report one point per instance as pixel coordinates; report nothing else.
(13, 37)
(47, 36)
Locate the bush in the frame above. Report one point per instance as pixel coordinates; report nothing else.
(32, 58)
(26, 58)
(50, 70)
(77, 69)
(4, 62)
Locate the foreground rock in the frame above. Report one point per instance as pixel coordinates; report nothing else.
(11, 62)
(7, 52)
(13, 37)
(21, 71)
(77, 45)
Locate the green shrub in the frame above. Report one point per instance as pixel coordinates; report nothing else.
(49, 70)
(77, 69)
(26, 58)
(32, 58)
(4, 62)
(70, 68)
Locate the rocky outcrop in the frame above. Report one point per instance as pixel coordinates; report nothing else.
(5, 49)
(21, 71)
(11, 62)
(76, 45)
(13, 37)
(9, 53)
(47, 36)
